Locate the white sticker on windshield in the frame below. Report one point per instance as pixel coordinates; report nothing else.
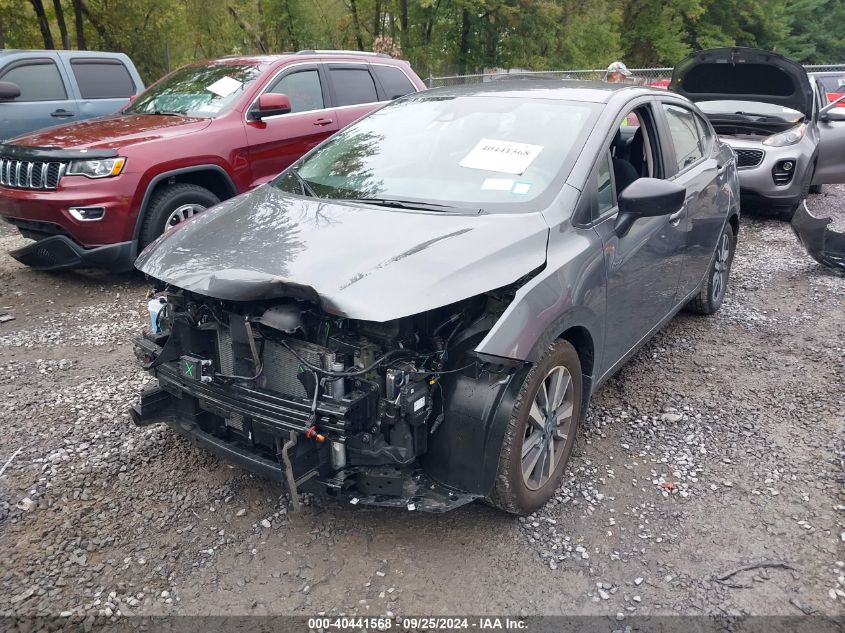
(224, 86)
(502, 156)
(497, 184)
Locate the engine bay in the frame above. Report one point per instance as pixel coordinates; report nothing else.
(347, 404)
(748, 130)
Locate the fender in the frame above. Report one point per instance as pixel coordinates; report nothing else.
(569, 292)
(142, 208)
(463, 453)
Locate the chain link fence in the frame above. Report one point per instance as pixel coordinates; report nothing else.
(640, 76)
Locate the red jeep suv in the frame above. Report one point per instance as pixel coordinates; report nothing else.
(94, 193)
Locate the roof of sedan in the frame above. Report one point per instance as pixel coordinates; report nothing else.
(564, 90)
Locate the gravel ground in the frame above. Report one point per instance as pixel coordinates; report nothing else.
(719, 446)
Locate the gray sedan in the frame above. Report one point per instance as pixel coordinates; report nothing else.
(417, 312)
(786, 135)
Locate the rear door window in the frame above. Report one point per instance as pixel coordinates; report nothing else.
(703, 133)
(303, 88)
(394, 82)
(352, 86)
(686, 137)
(102, 78)
(38, 79)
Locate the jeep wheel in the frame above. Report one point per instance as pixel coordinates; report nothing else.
(709, 298)
(540, 433)
(171, 205)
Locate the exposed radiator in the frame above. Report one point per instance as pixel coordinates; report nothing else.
(281, 367)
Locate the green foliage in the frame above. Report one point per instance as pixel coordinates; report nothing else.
(756, 23)
(438, 36)
(817, 32)
(653, 31)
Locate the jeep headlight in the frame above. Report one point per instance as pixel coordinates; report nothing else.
(99, 168)
(789, 137)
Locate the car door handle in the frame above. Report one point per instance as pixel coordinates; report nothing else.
(61, 113)
(675, 218)
(323, 122)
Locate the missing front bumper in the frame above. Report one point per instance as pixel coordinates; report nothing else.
(825, 246)
(385, 486)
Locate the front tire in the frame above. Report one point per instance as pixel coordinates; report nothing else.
(709, 298)
(173, 204)
(541, 432)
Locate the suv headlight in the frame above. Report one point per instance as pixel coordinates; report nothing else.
(790, 137)
(100, 168)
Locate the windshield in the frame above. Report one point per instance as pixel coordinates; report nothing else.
(470, 152)
(197, 91)
(832, 84)
(759, 108)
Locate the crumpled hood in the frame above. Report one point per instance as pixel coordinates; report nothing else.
(361, 262)
(113, 132)
(744, 74)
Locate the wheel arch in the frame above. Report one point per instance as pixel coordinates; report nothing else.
(211, 177)
(581, 339)
(733, 220)
(573, 326)
(464, 451)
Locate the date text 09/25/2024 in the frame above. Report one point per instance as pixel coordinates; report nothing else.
(481, 623)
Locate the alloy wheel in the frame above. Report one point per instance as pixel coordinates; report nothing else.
(720, 267)
(182, 213)
(549, 423)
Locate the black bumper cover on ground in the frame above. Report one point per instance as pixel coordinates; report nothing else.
(825, 246)
(59, 252)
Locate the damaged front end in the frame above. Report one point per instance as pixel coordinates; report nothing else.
(349, 408)
(827, 247)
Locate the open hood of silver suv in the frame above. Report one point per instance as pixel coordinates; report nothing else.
(744, 74)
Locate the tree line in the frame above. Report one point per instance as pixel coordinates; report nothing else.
(437, 36)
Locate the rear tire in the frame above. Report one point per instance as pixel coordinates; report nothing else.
(709, 298)
(172, 204)
(536, 442)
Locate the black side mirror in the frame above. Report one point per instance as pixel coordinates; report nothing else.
(647, 198)
(9, 91)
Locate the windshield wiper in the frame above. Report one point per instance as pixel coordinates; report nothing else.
(747, 115)
(167, 113)
(306, 188)
(402, 204)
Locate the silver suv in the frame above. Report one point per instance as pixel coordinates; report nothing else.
(786, 136)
